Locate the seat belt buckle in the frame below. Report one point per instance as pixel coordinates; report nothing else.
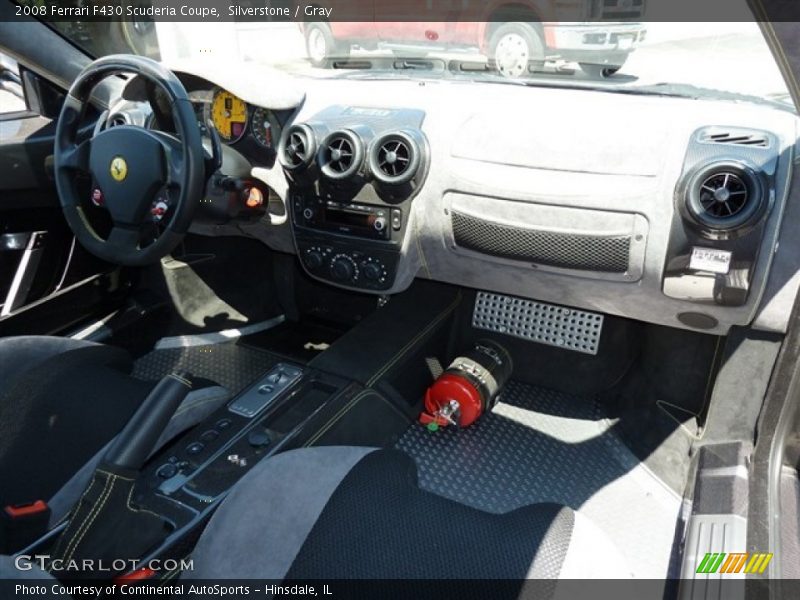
(22, 524)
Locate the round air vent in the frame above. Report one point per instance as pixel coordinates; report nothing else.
(394, 158)
(341, 155)
(116, 120)
(725, 196)
(298, 147)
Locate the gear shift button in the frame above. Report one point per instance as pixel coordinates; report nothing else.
(275, 377)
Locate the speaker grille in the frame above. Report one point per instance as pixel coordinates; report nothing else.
(609, 254)
(548, 324)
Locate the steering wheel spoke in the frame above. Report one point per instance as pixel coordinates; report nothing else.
(76, 157)
(124, 238)
(173, 157)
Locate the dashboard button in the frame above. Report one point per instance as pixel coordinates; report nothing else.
(397, 219)
(209, 436)
(258, 438)
(166, 471)
(195, 448)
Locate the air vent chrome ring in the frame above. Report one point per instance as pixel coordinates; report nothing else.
(298, 147)
(116, 120)
(725, 196)
(395, 158)
(341, 155)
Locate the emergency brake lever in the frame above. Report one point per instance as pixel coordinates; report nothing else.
(136, 441)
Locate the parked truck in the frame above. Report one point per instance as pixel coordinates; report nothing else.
(516, 37)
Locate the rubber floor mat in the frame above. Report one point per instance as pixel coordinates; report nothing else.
(232, 365)
(540, 445)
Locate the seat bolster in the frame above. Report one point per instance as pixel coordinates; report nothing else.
(260, 527)
(22, 353)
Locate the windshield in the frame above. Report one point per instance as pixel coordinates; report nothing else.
(727, 60)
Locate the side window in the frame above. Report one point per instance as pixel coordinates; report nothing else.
(12, 98)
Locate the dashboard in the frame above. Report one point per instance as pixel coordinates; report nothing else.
(665, 210)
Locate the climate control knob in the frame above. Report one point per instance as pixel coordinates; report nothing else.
(343, 268)
(372, 271)
(379, 224)
(314, 259)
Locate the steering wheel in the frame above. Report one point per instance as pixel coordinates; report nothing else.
(129, 166)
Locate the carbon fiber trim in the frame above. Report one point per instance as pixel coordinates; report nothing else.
(605, 254)
(549, 324)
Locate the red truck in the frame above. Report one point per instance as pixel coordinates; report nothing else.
(515, 36)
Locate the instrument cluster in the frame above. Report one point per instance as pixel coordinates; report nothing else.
(250, 129)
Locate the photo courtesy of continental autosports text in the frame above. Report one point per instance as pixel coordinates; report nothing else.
(420, 299)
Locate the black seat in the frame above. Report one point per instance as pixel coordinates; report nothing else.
(336, 513)
(342, 513)
(61, 402)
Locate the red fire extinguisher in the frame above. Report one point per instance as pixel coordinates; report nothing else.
(469, 387)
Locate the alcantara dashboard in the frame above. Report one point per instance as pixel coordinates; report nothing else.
(664, 210)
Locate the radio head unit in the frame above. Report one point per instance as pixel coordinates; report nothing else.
(357, 220)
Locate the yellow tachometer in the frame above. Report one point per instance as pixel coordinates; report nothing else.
(229, 115)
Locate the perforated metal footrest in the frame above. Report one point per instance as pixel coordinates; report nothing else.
(540, 322)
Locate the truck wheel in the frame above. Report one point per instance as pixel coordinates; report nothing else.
(321, 48)
(515, 48)
(599, 71)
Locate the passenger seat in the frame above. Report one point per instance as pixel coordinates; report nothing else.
(330, 513)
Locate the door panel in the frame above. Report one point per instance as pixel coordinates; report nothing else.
(38, 254)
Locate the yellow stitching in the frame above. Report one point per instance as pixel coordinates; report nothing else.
(114, 475)
(79, 527)
(97, 512)
(76, 540)
(413, 342)
(333, 420)
(338, 416)
(139, 510)
(72, 546)
(77, 506)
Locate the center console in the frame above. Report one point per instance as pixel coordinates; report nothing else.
(181, 484)
(353, 173)
(196, 471)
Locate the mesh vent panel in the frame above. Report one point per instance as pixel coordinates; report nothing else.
(563, 250)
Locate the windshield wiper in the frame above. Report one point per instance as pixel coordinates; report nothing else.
(389, 64)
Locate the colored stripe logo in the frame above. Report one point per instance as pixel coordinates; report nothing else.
(734, 562)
